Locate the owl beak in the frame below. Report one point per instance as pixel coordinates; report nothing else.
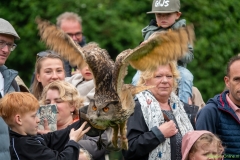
(98, 113)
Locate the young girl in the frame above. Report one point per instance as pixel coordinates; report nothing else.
(201, 145)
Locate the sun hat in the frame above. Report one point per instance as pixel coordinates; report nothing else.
(189, 139)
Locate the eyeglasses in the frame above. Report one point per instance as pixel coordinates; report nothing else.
(11, 46)
(77, 35)
(47, 53)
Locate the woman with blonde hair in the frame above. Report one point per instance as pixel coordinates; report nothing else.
(69, 101)
(159, 121)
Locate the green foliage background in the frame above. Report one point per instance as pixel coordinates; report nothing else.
(116, 26)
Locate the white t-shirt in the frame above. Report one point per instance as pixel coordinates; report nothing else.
(1, 84)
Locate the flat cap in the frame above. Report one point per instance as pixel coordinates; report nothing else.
(7, 28)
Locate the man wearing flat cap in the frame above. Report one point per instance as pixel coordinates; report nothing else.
(7, 79)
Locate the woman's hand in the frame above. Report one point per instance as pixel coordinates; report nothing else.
(168, 129)
(76, 135)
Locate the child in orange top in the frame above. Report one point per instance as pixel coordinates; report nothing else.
(19, 111)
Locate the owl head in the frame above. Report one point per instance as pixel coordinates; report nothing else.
(101, 115)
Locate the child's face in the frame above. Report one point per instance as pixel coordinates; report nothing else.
(205, 152)
(30, 123)
(87, 75)
(165, 20)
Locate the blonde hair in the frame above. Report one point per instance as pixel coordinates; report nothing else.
(17, 103)
(204, 140)
(149, 73)
(67, 92)
(68, 16)
(85, 153)
(37, 87)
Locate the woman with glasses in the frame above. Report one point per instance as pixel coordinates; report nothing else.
(159, 121)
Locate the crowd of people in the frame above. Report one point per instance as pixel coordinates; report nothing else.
(165, 125)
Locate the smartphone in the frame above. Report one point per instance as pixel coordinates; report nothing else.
(48, 112)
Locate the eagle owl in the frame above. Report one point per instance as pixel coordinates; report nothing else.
(113, 101)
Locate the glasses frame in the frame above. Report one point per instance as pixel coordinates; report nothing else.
(11, 47)
(77, 35)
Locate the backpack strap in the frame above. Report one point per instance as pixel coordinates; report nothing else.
(191, 111)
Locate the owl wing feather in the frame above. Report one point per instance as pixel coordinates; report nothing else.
(97, 59)
(159, 49)
(101, 66)
(61, 43)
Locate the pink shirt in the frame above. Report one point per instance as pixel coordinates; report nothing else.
(234, 107)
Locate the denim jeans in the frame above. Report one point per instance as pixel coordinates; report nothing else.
(136, 78)
(185, 83)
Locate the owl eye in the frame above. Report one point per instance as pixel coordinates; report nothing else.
(94, 108)
(105, 109)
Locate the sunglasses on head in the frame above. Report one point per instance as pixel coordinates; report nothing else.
(47, 53)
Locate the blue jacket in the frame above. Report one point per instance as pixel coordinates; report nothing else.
(219, 118)
(9, 75)
(10, 85)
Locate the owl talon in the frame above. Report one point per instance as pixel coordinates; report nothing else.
(114, 142)
(111, 147)
(124, 144)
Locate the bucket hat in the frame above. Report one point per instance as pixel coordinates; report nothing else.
(7, 28)
(165, 6)
(189, 139)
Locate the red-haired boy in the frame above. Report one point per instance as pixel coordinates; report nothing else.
(19, 111)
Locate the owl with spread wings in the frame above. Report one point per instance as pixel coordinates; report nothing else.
(113, 101)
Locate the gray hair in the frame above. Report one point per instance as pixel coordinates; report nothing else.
(68, 16)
